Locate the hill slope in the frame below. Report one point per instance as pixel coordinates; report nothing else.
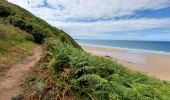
(19, 29)
(26, 21)
(14, 45)
(67, 72)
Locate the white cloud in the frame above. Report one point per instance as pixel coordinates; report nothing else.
(92, 8)
(62, 10)
(114, 25)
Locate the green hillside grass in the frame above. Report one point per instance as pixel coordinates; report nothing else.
(14, 44)
(66, 71)
(31, 24)
(19, 29)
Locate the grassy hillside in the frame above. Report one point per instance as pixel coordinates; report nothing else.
(19, 29)
(29, 23)
(67, 72)
(14, 45)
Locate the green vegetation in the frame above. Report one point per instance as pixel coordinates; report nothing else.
(31, 24)
(66, 71)
(14, 44)
(75, 74)
(19, 29)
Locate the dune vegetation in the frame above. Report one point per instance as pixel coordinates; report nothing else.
(66, 71)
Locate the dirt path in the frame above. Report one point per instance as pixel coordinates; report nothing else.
(11, 81)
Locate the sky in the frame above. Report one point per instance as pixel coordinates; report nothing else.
(105, 19)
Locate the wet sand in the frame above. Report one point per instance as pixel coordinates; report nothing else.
(153, 64)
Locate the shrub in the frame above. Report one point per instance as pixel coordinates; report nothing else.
(39, 34)
(35, 30)
(61, 62)
(4, 12)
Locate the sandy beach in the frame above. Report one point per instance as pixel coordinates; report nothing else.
(153, 64)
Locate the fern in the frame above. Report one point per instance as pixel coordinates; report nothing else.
(83, 63)
(97, 78)
(93, 78)
(85, 70)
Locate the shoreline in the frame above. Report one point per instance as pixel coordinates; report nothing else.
(153, 64)
(128, 49)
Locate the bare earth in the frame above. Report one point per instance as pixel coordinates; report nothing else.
(153, 64)
(11, 81)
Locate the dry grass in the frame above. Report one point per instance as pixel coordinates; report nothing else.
(14, 54)
(14, 45)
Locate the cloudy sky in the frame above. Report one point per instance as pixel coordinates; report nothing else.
(105, 19)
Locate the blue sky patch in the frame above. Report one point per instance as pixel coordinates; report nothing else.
(105, 19)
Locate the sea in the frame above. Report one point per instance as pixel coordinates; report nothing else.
(162, 47)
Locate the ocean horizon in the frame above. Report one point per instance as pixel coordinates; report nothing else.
(162, 47)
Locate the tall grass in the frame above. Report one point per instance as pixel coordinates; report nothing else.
(15, 44)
